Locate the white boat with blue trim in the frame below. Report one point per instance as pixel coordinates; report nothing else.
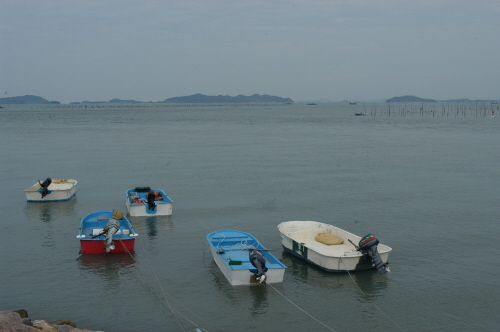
(145, 201)
(243, 259)
(331, 248)
(51, 190)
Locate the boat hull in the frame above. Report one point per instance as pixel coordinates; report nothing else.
(141, 208)
(229, 250)
(57, 191)
(298, 239)
(98, 247)
(93, 224)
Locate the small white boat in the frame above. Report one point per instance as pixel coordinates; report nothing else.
(51, 190)
(239, 256)
(144, 201)
(306, 239)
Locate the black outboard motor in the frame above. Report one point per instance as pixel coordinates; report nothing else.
(45, 186)
(259, 262)
(368, 246)
(151, 200)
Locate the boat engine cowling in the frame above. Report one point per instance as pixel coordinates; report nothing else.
(111, 228)
(368, 246)
(151, 200)
(259, 262)
(44, 186)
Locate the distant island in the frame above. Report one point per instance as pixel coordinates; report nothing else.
(196, 98)
(221, 99)
(199, 98)
(409, 99)
(28, 99)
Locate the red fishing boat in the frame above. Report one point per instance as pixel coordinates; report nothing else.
(106, 232)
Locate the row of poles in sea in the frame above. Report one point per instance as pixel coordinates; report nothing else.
(440, 109)
(445, 109)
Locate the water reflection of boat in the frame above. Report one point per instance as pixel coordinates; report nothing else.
(260, 303)
(97, 263)
(235, 296)
(370, 281)
(106, 266)
(49, 211)
(152, 224)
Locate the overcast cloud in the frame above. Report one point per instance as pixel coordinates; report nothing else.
(305, 50)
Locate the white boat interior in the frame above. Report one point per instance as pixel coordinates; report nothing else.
(305, 232)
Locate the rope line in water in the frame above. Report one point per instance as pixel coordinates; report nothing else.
(302, 309)
(172, 309)
(163, 291)
(366, 296)
(152, 289)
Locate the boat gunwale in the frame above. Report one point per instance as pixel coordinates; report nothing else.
(108, 214)
(275, 265)
(36, 187)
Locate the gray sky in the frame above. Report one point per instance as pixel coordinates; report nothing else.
(305, 50)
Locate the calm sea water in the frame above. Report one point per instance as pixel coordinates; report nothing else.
(425, 183)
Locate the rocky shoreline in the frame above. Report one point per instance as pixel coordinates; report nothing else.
(19, 321)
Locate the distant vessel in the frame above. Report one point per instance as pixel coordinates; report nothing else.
(352, 104)
(312, 104)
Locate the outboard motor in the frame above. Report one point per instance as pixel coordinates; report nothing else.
(368, 246)
(259, 262)
(44, 186)
(151, 200)
(110, 229)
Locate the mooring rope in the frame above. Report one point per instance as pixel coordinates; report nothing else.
(366, 296)
(151, 288)
(172, 309)
(163, 291)
(308, 314)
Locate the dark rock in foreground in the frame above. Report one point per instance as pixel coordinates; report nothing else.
(18, 321)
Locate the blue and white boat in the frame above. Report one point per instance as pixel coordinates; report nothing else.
(145, 201)
(239, 256)
(106, 232)
(51, 190)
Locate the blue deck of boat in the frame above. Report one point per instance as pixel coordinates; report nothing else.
(91, 222)
(233, 249)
